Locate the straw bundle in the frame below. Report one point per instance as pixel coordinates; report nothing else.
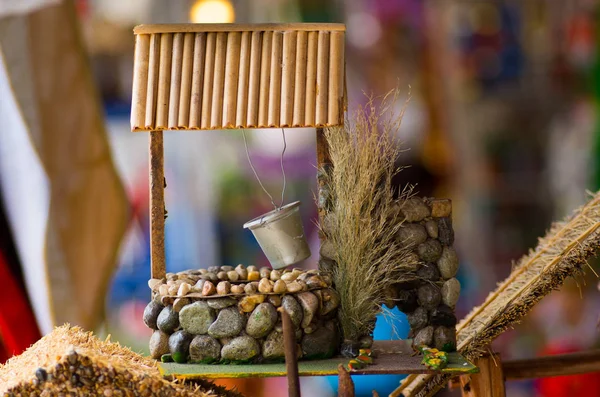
(563, 252)
(71, 361)
(362, 217)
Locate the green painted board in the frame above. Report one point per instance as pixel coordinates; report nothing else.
(391, 358)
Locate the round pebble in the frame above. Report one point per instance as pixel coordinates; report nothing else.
(250, 288)
(159, 344)
(265, 272)
(252, 268)
(414, 210)
(151, 313)
(233, 276)
(275, 275)
(248, 303)
(179, 346)
(451, 292)
(223, 287)
(229, 323)
(253, 275)
(406, 300)
(184, 288)
(264, 286)
(446, 234)
(418, 318)
(221, 303)
(280, 287)
(204, 349)
(197, 318)
(424, 337)
(432, 228)
(293, 308)
(168, 320)
(242, 348)
(443, 315)
(448, 263)
(429, 296)
(411, 235)
(222, 276)
(294, 287)
(444, 338)
(327, 250)
(237, 289)
(180, 303)
(330, 301)
(430, 250)
(322, 343)
(242, 272)
(208, 288)
(275, 300)
(273, 347)
(429, 272)
(261, 320)
(310, 305)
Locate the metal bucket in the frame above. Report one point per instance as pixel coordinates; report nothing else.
(280, 235)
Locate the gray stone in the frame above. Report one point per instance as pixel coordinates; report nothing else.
(226, 268)
(310, 306)
(446, 233)
(151, 313)
(432, 228)
(429, 296)
(418, 318)
(448, 263)
(293, 308)
(180, 303)
(330, 301)
(275, 300)
(424, 337)
(272, 347)
(411, 235)
(159, 344)
(451, 292)
(414, 210)
(229, 323)
(429, 272)
(322, 343)
(196, 318)
(221, 303)
(430, 250)
(242, 348)
(444, 338)
(262, 320)
(204, 349)
(168, 320)
(179, 346)
(327, 250)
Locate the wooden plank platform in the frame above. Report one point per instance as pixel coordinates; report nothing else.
(391, 357)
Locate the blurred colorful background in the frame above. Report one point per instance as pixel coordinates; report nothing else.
(504, 119)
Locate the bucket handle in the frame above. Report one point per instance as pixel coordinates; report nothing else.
(256, 174)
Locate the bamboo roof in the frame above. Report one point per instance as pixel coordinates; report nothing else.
(217, 76)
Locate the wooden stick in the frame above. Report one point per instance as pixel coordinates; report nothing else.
(183, 118)
(209, 70)
(336, 79)
(275, 80)
(300, 79)
(216, 113)
(176, 67)
(164, 81)
(254, 79)
(232, 73)
(197, 80)
(228, 27)
(345, 383)
(291, 354)
(242, 86)
(559, 365)
(323, 159)
(157, 206)
(311, 78)
(489, 382)
(265, 79)
(140, 81)
(322, 79)
(288, 77)
(152, 91)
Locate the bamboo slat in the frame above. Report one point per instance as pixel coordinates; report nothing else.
(197, 80)
(152, 89)
(336, 78)
(322, 79)
(186, 81)
(140, 80)
(190, 78)
(232, 68)
(242, 86)
(164, 81)
(175, 90)
(254, 79)
(300, 79)
(229, 27)
(216, 112)
(265, 75)
(311, 78)
(209, 70)
(275, 80)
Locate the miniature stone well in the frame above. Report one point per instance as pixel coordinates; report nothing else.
(228, 315)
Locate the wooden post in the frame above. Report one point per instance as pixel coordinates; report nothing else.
(345, 383)
(291, 355)
(322, 160)
(157, 205)
(488, 382)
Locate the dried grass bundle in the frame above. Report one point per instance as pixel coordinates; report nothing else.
(363, 213)
(562, 253)
(74, 362)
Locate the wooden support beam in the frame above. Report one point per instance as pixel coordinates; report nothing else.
(345, 383)
(489, 382)
(291, 355)
(323, 159)
(559, 365)
(157, 205)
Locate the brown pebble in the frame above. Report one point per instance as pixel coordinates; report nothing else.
(222, 276)
(183, 290)
(173, 289)
(154, 283)
(253, 275)
(163, 290)
(275, 300)
(233, 275)
(280, 287)
(264, 286)
(248, 303)
(237, 289)
(291, 276)
(275, 275)
(252, 268)
(250, 288)
(265, 272)
(179, 303)
(293, 287)
(208, 289)
(223, 287)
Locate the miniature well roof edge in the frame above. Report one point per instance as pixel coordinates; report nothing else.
(234, 27)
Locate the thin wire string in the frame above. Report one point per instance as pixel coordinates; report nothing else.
(256, 174)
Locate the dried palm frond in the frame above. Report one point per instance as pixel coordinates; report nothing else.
(563, 252)
(363, 216)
